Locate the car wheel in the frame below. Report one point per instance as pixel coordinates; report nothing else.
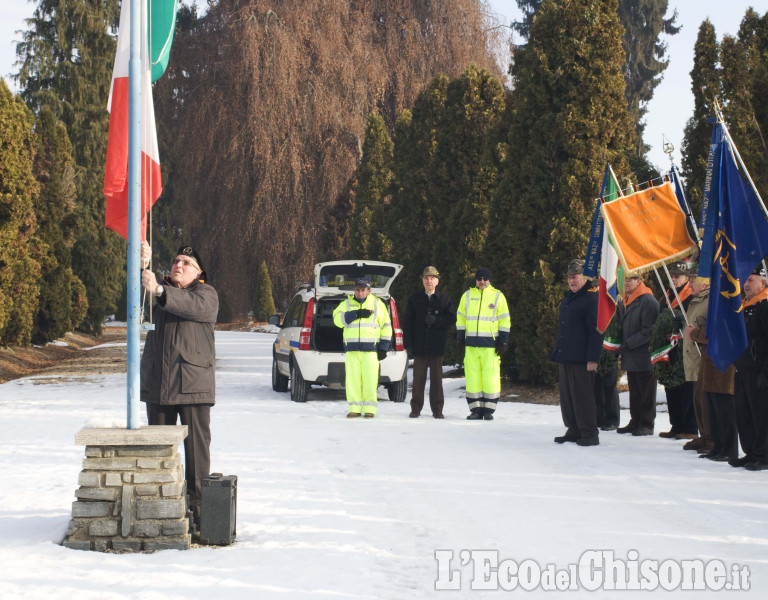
(299, 387)
(279, 381)
(398, 390)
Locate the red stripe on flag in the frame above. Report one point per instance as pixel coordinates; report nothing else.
(116, 171)
(117, 201)
(606, 307)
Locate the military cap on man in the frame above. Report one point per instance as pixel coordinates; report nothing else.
(362, 282)
(679, 268)
(192, 253)
(576, 267)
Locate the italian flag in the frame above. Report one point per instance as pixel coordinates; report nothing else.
(116, 171)
(608, 288)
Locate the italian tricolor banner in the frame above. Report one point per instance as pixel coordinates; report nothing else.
(662, 354)
(609, 264)
(116, 171)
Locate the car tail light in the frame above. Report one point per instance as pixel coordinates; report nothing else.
(396, 331)
(306, 331)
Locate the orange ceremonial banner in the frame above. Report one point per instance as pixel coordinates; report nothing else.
(648, 228)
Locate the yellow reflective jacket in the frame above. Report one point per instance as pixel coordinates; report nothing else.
(482, 319)
(364, 335)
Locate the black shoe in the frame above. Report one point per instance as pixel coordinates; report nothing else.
(626, 429)
(738, 462)
(488, 417)
(642, 431)
(756, 466)
(719, 457)
(588, 441)
(475, 417)
(438, 416)
(413, 415)
(608, 428)
(561, 439)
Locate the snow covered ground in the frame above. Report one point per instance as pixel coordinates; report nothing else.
(333, 508)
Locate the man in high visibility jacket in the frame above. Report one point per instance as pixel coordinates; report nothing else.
(482, 326)
(367, 336)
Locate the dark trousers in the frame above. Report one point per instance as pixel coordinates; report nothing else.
(607, 398)
(701, 408)
(722, 424)
(642, 398)
(751, 416)
(680, 406)
(197, 444)
(436, 398)
(577, 400)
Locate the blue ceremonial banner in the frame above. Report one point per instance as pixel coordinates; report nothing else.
(739, 243)
(709, 205)
(595, 245)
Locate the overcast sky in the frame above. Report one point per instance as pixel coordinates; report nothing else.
(669, 110)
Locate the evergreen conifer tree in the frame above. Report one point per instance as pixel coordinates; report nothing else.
(366, 233)
(446, 166)
(644, 21)
(264, 305)
(744, 62)
(646, 56)
(569, 117)
(413, 217)
(54, 208)
(66, 59)
(19, 264)
(705, 85)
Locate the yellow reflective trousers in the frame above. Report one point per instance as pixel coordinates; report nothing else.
(361, 381)
(482, 369)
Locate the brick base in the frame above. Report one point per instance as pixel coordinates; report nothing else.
(132, 491)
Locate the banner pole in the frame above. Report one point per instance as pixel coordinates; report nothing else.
(134, 215)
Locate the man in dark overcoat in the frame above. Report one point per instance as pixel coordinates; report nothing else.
(577, 351)
(640, 312)
(178, 363)
(751, 380)
(428, 317)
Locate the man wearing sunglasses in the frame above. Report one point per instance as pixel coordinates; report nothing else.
(482, 331)
(178, 363)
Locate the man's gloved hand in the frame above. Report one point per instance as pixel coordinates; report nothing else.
(501, 348)
(363, 313)
(381, 354)
(430, 319)
(762, 381)
(350, 315)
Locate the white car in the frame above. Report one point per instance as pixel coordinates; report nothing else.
(309, 350)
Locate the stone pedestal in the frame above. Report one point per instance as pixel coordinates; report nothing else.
(132, 495)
